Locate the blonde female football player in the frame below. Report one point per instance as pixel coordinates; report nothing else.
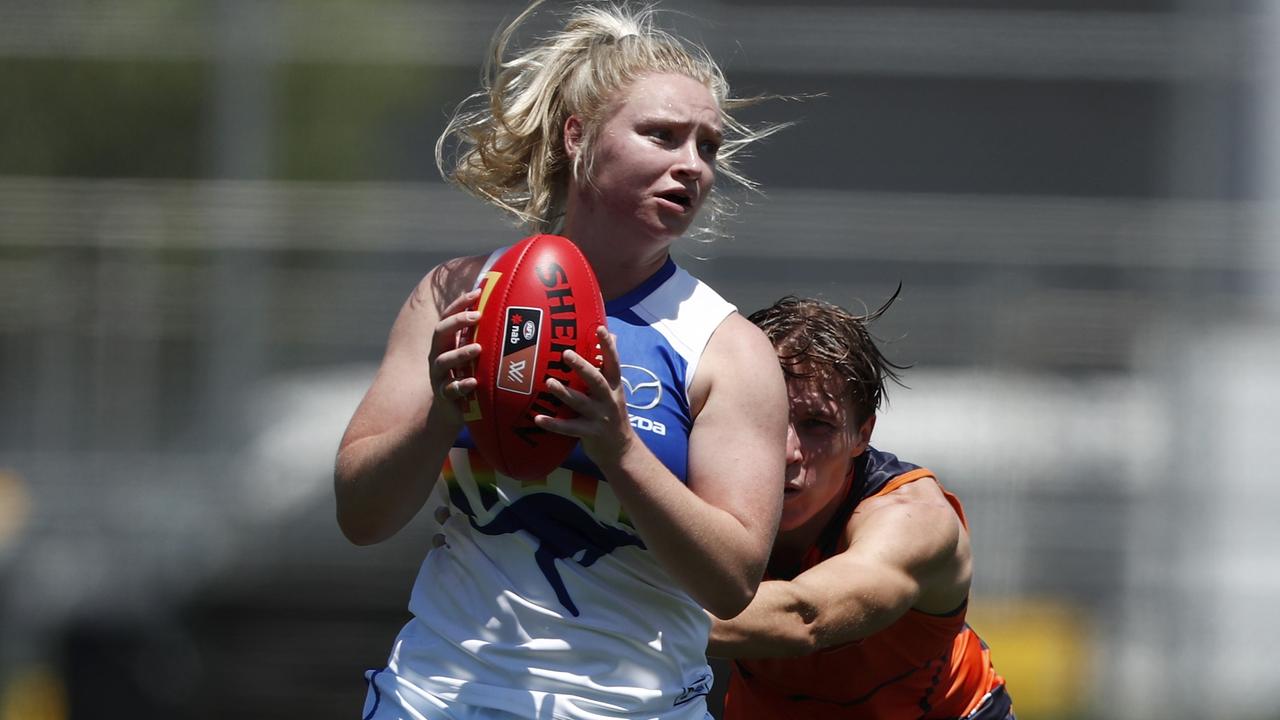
(581, 595)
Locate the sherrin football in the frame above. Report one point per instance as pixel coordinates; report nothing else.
(539, 298)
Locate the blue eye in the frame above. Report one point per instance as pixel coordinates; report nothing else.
(709, 148)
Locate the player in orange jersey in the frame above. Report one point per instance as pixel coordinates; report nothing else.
(862, 614)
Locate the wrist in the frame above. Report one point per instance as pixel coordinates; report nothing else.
(443, 418)
(616, 461)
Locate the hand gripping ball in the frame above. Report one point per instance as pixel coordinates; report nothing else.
(538, 299)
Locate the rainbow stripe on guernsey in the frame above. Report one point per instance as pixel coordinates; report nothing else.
(484, 487)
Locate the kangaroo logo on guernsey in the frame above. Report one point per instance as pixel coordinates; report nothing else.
(564, 532)
(564, 528)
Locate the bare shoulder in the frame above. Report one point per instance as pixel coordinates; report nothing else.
(922, 492)
(740, 359)
(421, 311)
(445, 282)
(401, 387)
(738, 335)
(916, 528)
(915, 509)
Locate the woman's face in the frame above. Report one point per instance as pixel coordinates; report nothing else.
(655, 154)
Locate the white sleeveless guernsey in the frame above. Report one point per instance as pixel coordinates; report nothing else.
(544, 602)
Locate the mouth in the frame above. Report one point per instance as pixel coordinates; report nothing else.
(677, 197)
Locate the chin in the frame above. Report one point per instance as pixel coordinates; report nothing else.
(666, 235)
(791, 519)
(673, 227)
(655, 231)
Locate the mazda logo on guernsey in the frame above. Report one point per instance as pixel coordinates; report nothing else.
(644, 390)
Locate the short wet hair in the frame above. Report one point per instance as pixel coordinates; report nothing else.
(812, 336)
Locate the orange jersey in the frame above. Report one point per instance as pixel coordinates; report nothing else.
(922, 666)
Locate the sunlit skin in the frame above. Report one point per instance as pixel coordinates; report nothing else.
(823, 439)
(652, 170)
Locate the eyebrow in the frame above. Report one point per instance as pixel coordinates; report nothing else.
(661, 117)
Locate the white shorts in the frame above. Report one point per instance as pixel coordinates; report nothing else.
(386, 701)
(392, 698)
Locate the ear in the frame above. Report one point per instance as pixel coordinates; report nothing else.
(573, 132)
(864, 436)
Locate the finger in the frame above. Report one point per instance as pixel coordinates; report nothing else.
(461, 302)
(451, 361)
(575, 400)
(448, 332)
(597, 385)
(450, 325)
(447, 322)
(571, 427)
(458, 389)
(465, 386)
(611, 365)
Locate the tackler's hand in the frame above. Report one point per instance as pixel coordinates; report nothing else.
(602, 423)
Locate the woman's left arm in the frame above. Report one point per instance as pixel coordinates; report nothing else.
(714, 533)
(737, 460)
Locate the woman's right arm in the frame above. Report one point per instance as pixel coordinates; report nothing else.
(402, 430)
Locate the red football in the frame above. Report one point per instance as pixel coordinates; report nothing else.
(538, 299)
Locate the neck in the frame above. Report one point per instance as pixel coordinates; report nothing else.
(792, 545)
(620, 260)
(618, 276)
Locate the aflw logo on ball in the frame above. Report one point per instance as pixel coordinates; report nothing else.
(520, 350)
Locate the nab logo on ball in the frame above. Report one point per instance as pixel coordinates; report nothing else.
(520, 351)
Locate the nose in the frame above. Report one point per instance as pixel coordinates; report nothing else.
(690, 163)
(794, 454)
